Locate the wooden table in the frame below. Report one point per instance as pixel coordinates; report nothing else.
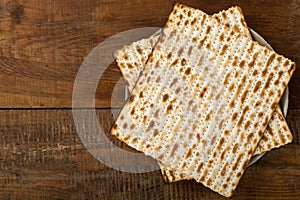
(42, 46)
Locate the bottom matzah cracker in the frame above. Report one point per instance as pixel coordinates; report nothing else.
(277, 133)
(191, 119)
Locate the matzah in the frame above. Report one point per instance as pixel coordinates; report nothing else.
(175, 110)
(132, 58)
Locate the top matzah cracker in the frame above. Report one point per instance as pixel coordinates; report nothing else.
(190, 118)
(132, 58)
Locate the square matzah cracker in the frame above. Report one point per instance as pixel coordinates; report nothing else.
(132, 58)
(191, 118)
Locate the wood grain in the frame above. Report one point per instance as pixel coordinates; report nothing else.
(42, 45)
(42, 157)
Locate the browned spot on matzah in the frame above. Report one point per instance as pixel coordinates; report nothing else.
(131, 99)
(222, 155)
(208, 46)
(199, 168)
(251, 47)
(174, 63)
(214, 154)
(227, 25)
(126, 138)
(257, 85)
(221, 37)
(226, 132)
(221, 124)
(130, 66)
(180, 51)
(260, 114)
(198, 136)
(186, 22)
(243, 97)
(160, 157)
(193, 21)
(209, 182)
(169, 55)
(201, 42)
(175, 147)
(173, 82)
(273, 106)
(203, 20)
(226, 79)
(213, 140)
(242, 116)
(235, 28)
(169, 108)
(230, 88)
(141, 94)
(260, 133)
(208, 28)
(292, 68)
(122, 117)
(224, 15)
(177, 90)
(285, 128)
(223, 171)
(221, 142)
(234, 166)
(156, 113)
(144, 119)
(150, 126)
(165, 97)
(235, 60)
(189, 153)
(234, 149)
(242, 64)
(115, 126)
(187, 71)
(134, 140)
(223, 50)
(180, 16)
(132, 126)
(280, 117)
(139, 51)
(217, 19)
(249, 137)
(125, 125)
(183, 61)
(207, 118)
(255, 72)
(132, 111)
(234, 116)
(264, 138)
(270, 59)
(125, 56)
(157, 148)
(202, 92)
(228, 178)
(247, 124)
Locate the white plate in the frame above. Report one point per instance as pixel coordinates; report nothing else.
(283, 102)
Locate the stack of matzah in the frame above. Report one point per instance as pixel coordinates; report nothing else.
(204, 97)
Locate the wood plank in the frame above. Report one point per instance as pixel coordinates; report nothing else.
(42, 157)
(42, 44)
